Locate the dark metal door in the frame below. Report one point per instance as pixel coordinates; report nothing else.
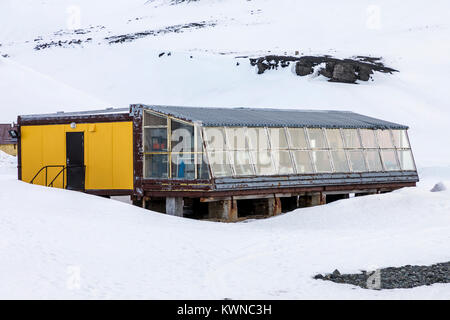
(75, 160)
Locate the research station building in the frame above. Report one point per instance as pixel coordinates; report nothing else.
(216, 163)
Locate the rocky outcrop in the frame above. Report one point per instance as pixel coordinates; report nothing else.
(336, 70)
(180, 28)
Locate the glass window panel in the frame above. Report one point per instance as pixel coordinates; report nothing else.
(257, 139)
(278, 138)
(183, 166)
(356, 158)
(283, 162)
(400, 138)
(242, 163)
(374, 160)
(182, 137)
(219, 163)
(335, 138)
(406, 160)
(316, 138)
(351, 138)
(390, 160)
(215, 139)
(236, 138)
(151, 119)
(321, 160)
(199, 140)
(202, 167)
(156, 166)
(155, 139)
(368, 138)
(384, 139)
(298, 138)
(303, 161)
(340, 161)
(263, 162)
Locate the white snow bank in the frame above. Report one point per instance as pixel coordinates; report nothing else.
(8, 165)
(7, 161)
(63, 244)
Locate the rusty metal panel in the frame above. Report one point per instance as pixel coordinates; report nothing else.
(313, 180)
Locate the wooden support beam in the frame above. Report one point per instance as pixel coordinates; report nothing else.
(225, 210)
(277, 208)
(246, 197)
(174, 206)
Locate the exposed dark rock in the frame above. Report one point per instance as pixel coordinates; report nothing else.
(337, 70)
(392, 278)
(344, 72)
(438, 187)
(173, 2)
(64, 44)
(328, 70)
(304, 67)
(301, 70)
(336, 273)
(364, 73)
(262, 66)
(170, 29)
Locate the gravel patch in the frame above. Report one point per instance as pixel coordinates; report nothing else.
(394, 278)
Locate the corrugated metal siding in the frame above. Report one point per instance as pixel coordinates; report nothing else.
(251, 117)
(314, 180)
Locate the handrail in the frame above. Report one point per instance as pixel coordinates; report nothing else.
(64, 168)
(46, 172)
(64, 178)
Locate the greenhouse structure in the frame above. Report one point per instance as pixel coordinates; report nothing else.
(216, 163)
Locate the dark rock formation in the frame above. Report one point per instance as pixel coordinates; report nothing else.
(180, 28)
(344, 72)
(303, 68)
(64, 44)
(337, 70)
(438, 187)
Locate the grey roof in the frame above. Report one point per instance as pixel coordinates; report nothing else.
(259, 117)
(75, 114)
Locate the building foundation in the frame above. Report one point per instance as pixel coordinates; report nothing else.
(223, 210)
(174, 206)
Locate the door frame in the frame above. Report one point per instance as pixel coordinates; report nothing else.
(77, 169)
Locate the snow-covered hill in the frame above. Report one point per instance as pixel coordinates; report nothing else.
(78, 68)
(95, 74)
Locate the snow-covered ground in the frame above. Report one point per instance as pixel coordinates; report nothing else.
(62, 244)
(120, 251)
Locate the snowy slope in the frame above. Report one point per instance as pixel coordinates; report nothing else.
(122, 251)
(99, 248)
(95, 74)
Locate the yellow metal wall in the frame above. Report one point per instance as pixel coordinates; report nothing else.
(108, 153)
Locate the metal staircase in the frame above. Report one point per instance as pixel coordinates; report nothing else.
(62, 172)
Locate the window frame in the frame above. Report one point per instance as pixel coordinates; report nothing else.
(169, 152)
